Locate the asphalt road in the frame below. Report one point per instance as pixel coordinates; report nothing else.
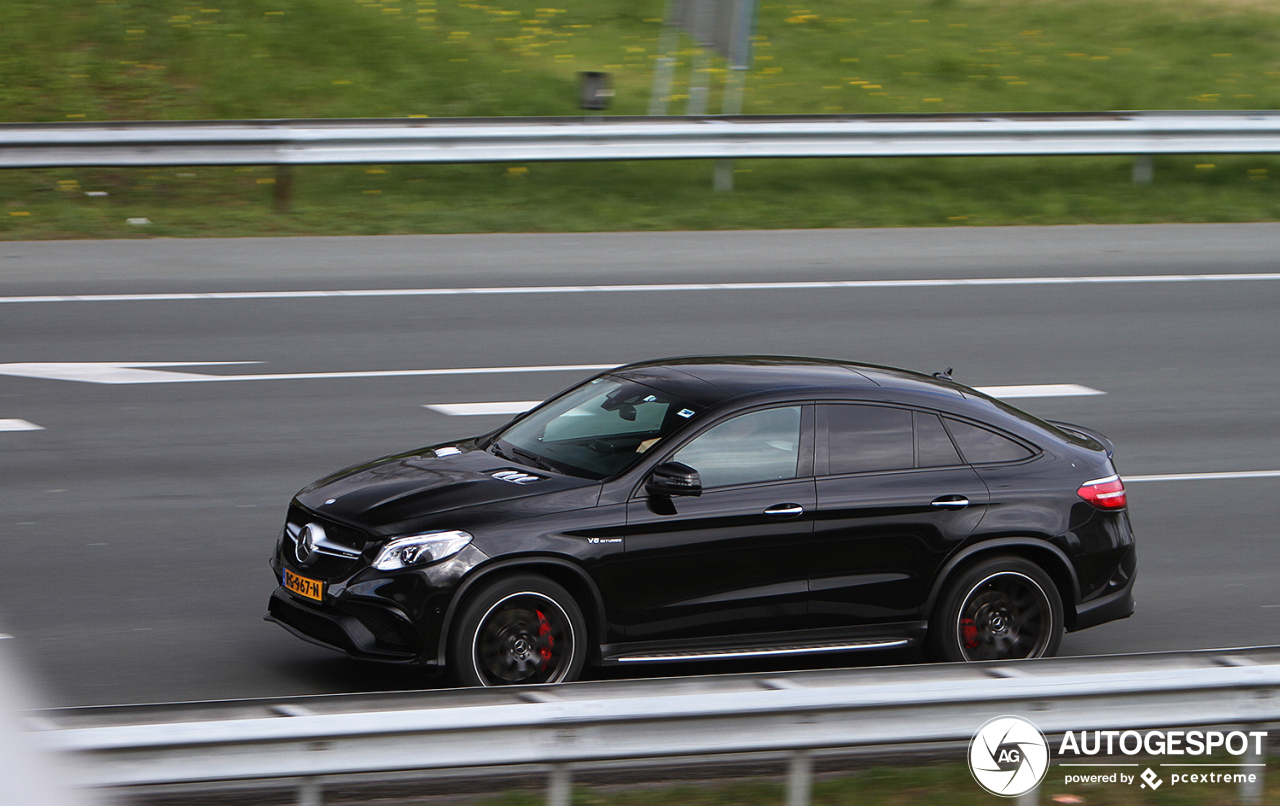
(136, 525)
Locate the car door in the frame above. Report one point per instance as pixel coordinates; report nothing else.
(894, 499)
(732, 560)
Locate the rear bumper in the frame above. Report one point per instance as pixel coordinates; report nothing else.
(367, 631)
(1109, 607)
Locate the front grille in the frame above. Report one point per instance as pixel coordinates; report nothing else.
(339, 533)
(322, 566)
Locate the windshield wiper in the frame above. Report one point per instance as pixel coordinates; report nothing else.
(533, 458)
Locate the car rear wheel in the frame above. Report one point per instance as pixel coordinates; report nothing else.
(1003, 608)
(518, 630)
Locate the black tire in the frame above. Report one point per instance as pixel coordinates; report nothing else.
(518, 630)
(1002, 608)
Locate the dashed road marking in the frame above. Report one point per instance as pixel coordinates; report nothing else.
(472, 409)
(19, 425)
(1039, 390)
(142, 372)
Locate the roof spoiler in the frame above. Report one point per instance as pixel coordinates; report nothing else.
(1080, 430)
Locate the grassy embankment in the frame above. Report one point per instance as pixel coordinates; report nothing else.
(897, 786)
(68, 60)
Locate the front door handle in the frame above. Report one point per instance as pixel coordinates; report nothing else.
(950, 502)
(784, 510)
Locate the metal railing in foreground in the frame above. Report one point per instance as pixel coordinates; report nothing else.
(456, 140)
(306, 741)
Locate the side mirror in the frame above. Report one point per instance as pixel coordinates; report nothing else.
(673, 478)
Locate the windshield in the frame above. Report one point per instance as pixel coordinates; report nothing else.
(596, 430)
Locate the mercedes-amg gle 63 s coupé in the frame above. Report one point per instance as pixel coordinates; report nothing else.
(716, 507)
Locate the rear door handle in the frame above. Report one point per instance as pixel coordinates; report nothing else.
(950, 502)
(784, 510)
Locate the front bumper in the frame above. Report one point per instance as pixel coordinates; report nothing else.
(363, 630)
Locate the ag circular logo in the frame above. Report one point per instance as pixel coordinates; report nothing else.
(1008, 756)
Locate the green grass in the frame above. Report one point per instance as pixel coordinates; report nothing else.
(85, 60)
(637, 196)
(893, 786)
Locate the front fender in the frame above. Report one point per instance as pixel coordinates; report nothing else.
(557, 569)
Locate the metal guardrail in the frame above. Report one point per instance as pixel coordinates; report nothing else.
(555, 728)
(447, 140)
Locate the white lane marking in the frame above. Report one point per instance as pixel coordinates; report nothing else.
(596, 289)
(518, 406)
(1039, 390)
(132, 373)
(1245, 474)
(112, 373)
(471, 409)
(19, 425)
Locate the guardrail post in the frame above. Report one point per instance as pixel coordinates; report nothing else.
(699, 82)
(1251, 792)
(1144, 170)
(282, 191)
(1031, 798)
(724, 175)
(734, 87)
(800, 779)
(663, 72)
(560, 790)
(309, 792)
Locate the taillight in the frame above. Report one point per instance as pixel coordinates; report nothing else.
(1105, 493)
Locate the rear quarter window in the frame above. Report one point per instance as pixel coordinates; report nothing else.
(983, 446)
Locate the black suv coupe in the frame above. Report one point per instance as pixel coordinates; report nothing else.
(716, 507)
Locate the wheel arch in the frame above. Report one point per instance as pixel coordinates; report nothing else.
(565, 573)
(1046, 555)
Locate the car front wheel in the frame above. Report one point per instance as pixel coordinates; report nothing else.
(518, 630)
(1003, 608)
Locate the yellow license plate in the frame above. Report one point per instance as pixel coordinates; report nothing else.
(310, 588)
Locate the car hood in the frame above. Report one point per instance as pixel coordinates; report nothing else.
(387, 493)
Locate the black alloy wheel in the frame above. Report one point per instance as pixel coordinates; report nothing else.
(520, 630)
(1004, 608)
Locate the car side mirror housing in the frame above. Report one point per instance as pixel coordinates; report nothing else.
(673, 478)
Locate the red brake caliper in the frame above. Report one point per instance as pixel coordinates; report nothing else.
(544, 631)
(968, 630)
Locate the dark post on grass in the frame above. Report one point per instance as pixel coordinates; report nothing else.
(594, 91)
(724, 26)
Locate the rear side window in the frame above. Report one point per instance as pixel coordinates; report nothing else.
(982, 446)
(935, 446)
(863, 439)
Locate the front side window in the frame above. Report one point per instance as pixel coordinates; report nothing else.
(596, 430)
(754, 447)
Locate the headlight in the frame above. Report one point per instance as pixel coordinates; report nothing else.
(429, 547)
